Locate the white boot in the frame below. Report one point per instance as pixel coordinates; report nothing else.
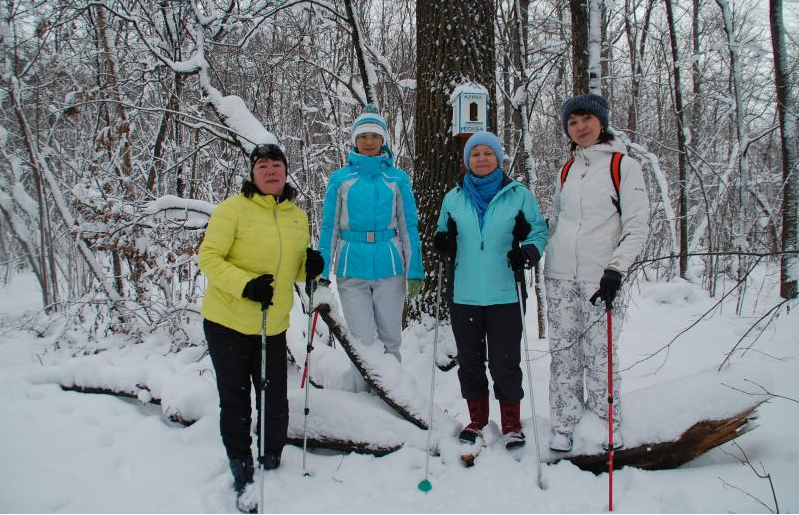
(618, 441)
(560, 442)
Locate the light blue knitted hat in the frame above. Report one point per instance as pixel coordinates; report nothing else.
(488, 139)
(370, 121)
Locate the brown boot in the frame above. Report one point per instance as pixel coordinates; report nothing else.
(511, 424)
(478, 412)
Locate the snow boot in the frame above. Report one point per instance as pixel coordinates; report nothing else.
(271, 460)
(560, 442)
(243, 471)
(247, 501)
(511, 424)
(618, 441)
(478, 413)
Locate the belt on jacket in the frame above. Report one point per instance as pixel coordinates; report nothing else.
(368, 236)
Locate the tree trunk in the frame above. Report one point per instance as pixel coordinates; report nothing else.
(678, 109)
(637, 49)
(367, 74)
(454, 45)
(740, 240)
(579, 14)
(790, 193)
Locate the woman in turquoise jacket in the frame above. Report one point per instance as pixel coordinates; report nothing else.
(492, 227)
(369, 237)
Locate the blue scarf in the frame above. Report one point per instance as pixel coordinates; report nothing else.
(481, 190)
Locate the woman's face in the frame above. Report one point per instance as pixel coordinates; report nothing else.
(269, 175)
(369, 143)
(583, 129)
(482, 160)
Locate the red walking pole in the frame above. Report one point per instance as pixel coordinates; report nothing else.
(308, 354)
(610, 410)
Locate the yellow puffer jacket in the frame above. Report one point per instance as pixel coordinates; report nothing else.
(247, 238)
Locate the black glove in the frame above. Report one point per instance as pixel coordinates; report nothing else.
(520, 258)
(314, 263)
(608, 288)
(260, 289)
(446, 242)
(521, 229)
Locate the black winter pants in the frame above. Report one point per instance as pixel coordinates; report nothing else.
(502, 325)
(237, 361)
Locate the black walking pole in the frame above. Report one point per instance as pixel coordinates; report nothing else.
(262, 425)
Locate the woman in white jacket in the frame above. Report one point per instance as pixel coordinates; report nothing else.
(600, 225)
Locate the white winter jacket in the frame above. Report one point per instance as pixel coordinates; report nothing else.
(586, 233)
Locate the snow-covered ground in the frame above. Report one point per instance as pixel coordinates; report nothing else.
(77, 453)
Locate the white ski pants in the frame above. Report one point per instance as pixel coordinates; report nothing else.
(373, 307)
(578, 344)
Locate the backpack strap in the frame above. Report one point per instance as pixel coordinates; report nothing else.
(615, 177)
(564, 172)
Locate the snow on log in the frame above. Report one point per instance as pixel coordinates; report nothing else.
(697, 440)
(669, 424)
(183, 385)
(330, 367)
(143, 396)
(381, 371)
(345, 421)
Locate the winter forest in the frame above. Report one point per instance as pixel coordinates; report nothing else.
(124, 123)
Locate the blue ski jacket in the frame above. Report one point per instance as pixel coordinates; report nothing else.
(369, 221)
(483, 276)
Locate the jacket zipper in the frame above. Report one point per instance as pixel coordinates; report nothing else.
(279, 243)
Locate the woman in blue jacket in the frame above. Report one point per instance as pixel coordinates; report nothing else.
(369, 237)
(492, 226)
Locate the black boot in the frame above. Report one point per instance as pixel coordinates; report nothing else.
(242, 471)
(271, 460)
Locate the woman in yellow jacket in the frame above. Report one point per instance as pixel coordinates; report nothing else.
(255, 249)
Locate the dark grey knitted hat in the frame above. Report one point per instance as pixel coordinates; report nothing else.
(594, 104)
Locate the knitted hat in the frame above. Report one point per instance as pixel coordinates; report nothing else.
(369, 121)
(267, 151)
(483, 138)
(594, 104)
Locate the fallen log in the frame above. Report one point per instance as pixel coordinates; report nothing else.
(410, 407)
(343, 446)
(336, 414)
(697, 440)
(143, 395)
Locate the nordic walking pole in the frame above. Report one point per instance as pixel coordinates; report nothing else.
(424, 485)
(262, 425)
(305, 367)
(610, 407)
(519, 276)
(307, 372)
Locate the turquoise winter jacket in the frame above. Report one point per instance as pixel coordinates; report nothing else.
(482, 274)
(369, 221)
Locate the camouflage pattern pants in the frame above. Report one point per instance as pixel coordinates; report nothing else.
(578, 343)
